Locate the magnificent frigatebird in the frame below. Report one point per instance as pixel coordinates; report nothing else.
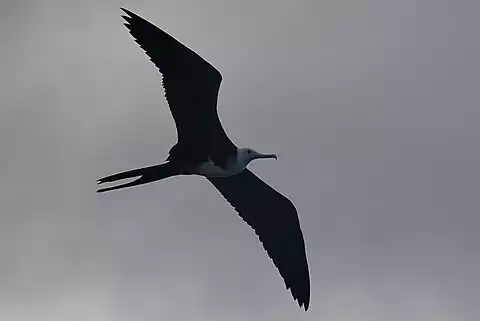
(203, 148)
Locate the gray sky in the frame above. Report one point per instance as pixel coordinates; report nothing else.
(372, 107)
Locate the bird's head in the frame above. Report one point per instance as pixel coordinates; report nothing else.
(246, 155)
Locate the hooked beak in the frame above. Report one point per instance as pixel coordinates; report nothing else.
(258, 155)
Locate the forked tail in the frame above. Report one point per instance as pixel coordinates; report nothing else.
(147, 175)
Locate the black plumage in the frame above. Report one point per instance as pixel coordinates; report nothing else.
(191, 88)
(275, 221)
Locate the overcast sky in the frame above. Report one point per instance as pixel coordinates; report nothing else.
(372, 106)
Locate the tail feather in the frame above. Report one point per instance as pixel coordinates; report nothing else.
(147, 175)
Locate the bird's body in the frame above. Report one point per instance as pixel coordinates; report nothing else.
(211, 170)
(234, 165)
(191, 88)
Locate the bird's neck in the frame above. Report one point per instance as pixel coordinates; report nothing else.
(242, 159)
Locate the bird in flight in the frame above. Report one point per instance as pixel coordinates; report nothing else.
(203, 148)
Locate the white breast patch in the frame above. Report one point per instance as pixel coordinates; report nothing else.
(209, 169)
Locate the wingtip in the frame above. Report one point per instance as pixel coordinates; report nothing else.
(305, 305)
(129, 16)
(125, 10)
(305, 301)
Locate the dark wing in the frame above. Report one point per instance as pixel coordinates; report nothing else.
(191, 87)
(275, 220)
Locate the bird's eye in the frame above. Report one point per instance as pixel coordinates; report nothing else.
(249, 151)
